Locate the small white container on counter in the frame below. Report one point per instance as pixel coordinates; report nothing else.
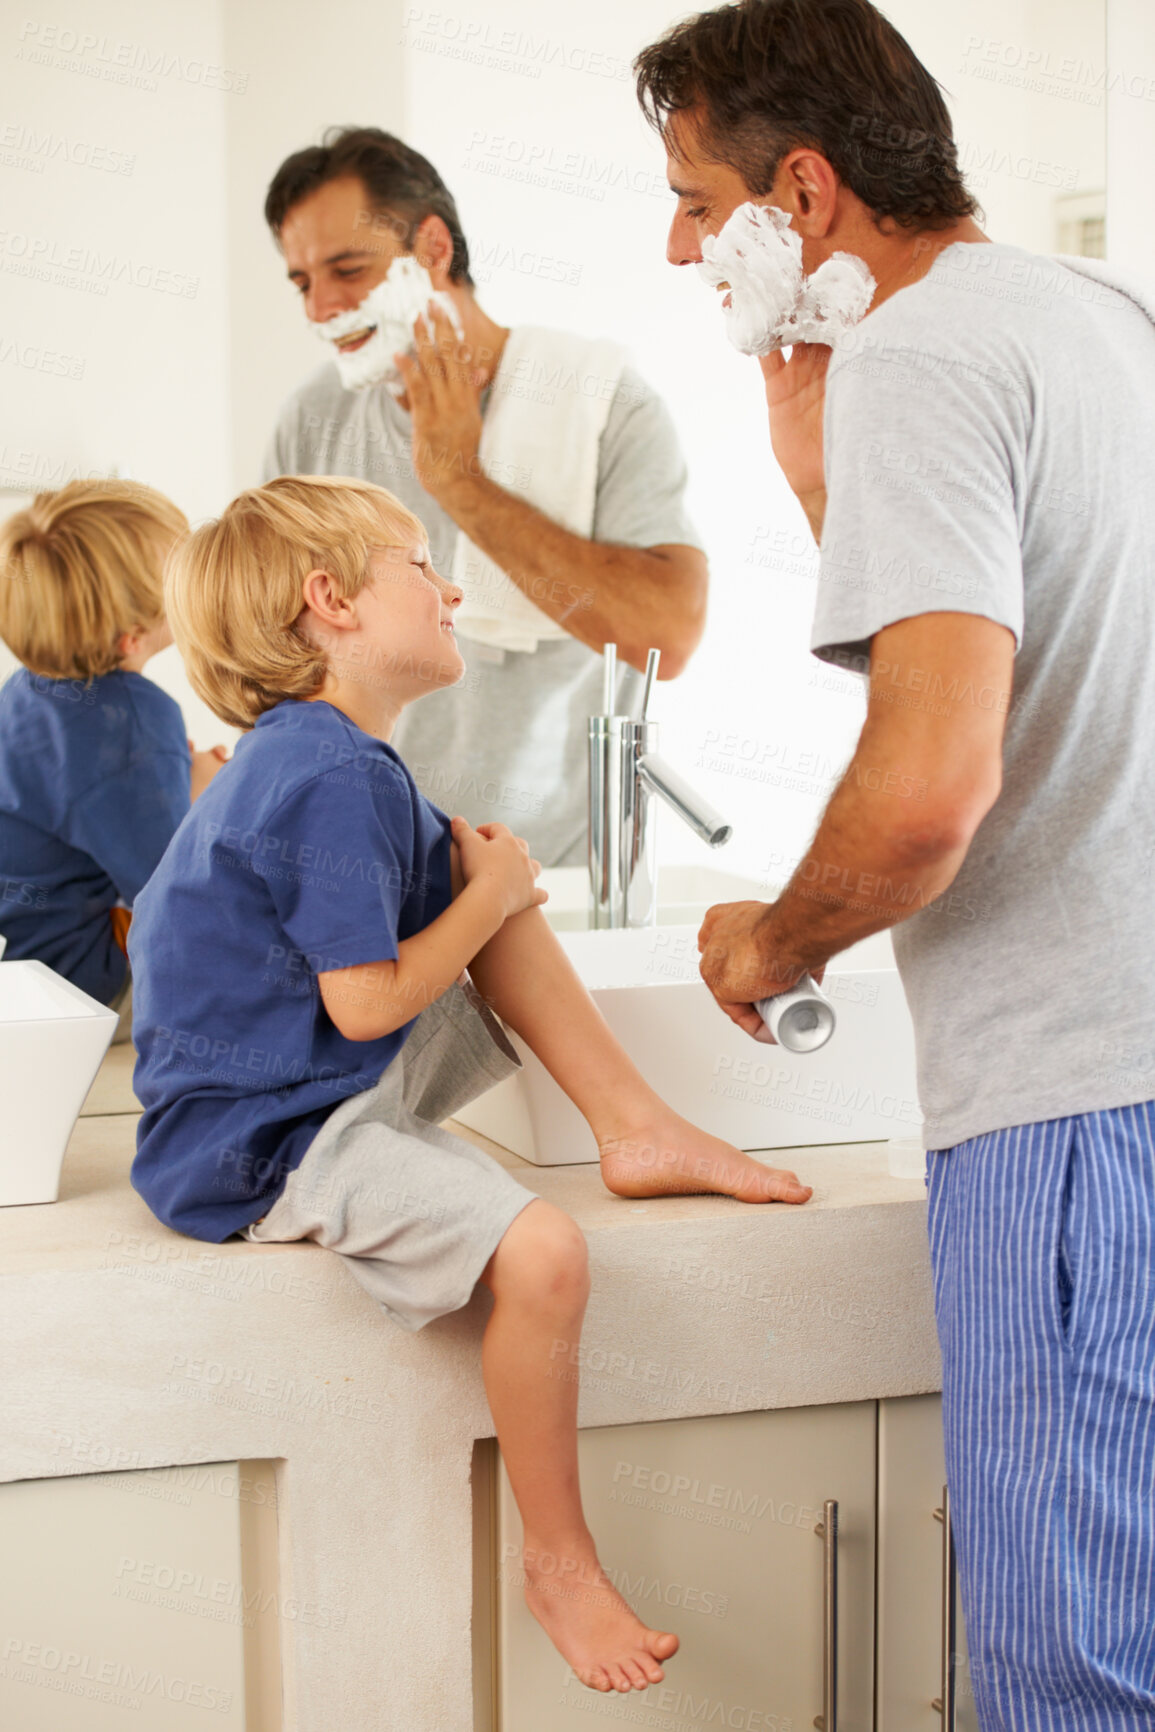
(52, 1040)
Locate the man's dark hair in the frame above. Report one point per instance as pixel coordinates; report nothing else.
(765, 76)
(403, 187)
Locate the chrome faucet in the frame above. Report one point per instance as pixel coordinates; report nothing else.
(625, 774)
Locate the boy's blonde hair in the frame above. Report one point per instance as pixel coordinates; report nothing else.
(79, 568)
(234, 587)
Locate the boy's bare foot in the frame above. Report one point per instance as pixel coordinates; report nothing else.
(589, 1623)
(667, 1156)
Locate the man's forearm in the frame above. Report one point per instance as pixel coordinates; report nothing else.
(897, 828)
(868, 868)
(599, 591)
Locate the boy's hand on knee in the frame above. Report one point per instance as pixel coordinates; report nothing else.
(493, 856)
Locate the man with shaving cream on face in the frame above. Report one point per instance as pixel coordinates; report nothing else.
(546, 472)
(975, 457)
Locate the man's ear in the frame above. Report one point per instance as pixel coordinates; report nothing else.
(324, 605)
(433, 248)
(807, 186)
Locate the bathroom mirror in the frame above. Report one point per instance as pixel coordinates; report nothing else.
(150, 331)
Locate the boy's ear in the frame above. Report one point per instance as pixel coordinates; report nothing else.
(321, 598)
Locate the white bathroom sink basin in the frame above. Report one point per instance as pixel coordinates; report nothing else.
(860, 1087)
(684, 893)
(52, 1040)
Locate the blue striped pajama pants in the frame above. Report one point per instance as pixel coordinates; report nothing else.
(1043, 1253)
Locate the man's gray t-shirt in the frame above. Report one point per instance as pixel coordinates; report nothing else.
(990, 449)
(508, 744)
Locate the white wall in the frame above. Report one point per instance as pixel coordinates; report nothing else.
(1131, 135)
(114, 257)
(166, 353)
(1021, 79)
(312, 69)
(118, 267)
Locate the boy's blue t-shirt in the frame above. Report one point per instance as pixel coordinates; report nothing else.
(94, 779)
(311, 850)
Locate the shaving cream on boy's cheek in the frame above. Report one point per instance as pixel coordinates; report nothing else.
(389, 310)
(772, 302)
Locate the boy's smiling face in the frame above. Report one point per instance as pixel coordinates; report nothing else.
(391, 643)
(405, 612)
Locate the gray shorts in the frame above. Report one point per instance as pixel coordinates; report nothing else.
(415, 1211)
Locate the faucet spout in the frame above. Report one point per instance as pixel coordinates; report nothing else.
(626, 774)
(693, 810)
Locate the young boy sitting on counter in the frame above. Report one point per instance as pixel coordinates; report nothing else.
(318, 962)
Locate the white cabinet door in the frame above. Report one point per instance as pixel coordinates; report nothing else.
(911, 1473)
(708, 1527)
(144, 1599)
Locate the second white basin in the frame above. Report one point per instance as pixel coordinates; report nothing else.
(860, 1087)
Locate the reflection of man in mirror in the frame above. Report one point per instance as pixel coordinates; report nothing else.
(545, 470)
(976, 460)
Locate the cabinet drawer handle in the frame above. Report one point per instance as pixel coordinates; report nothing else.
(827, 1531)
(944, 1703)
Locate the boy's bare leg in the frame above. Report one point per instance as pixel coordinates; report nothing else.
(646, 1148)
(540, 1283)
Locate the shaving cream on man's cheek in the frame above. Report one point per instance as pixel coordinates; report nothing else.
(758, 256)
(387, 312)
(772, 302)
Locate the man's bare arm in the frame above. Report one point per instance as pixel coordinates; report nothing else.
(926, 771)
(636, 597)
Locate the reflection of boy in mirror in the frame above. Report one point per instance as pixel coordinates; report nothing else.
(94, 763)
(305, 1020)
(977, 461)
(611, 557)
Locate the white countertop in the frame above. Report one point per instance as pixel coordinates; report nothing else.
(130, 1346)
